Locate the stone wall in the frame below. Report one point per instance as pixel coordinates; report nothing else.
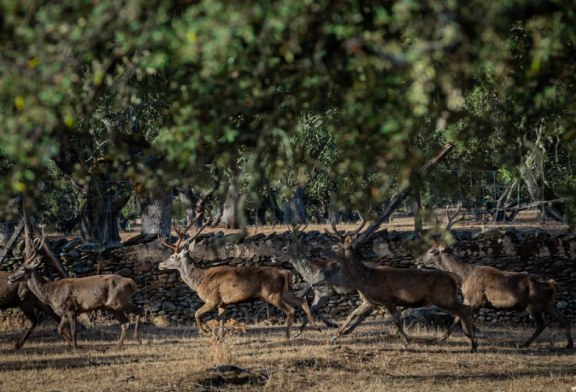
(167, 299)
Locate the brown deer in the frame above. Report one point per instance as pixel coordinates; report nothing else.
(221, 286)
(489, 287)
(324, 277)
(70, 296)
(18, 295)
(391, 287)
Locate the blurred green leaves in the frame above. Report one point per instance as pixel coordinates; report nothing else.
(219, 82)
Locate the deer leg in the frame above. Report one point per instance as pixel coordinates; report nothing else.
(72, 322)
(360, 310)
(398, 321)
(319, 301)
(281, 303)
(361, 317)
(221, 314)
(133, 309)
(33, 320)
(62, 332)
(450, 329)
(536, 315)
(303, 304)
(464, 313)
(124, 321)
(207, 307)
(553, 311)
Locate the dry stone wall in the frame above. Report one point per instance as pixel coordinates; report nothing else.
(167, 299)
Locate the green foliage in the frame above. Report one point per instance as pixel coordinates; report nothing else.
(155, 92)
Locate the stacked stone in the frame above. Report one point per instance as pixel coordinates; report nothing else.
(167, 300)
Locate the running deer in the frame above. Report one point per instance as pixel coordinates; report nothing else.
(18, 295)
(324, 277)
(391, 287)
(69, 297)
(489, 287)
(221, 286)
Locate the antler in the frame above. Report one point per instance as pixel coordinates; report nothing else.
(346, 234)
(294, 229)
(36, 249)
(452, 219)
(182, 233)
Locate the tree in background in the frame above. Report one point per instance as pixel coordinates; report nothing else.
(220, 80)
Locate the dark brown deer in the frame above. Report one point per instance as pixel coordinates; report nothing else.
(324, 277)
(70, 296)
(391, 287)
(221, 286)
(18, 295)
(489, 287)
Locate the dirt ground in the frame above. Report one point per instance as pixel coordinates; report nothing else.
(370, 359)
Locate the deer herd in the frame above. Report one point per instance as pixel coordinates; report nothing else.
(440, 278)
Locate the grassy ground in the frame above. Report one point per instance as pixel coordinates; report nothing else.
(178, 359)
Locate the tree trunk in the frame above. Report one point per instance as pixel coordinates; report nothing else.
(156, 212)
(100, 215)
(269, 203)
(230, 215)
(10, 216)
(295, 208)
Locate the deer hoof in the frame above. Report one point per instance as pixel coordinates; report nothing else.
(334, 338)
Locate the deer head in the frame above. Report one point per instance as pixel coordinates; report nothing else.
(181, 249)
(294, 248)
(433, 257)
(30, 264)
(346, 241)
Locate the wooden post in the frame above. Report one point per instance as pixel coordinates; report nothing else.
(55, 262)
(12, 240)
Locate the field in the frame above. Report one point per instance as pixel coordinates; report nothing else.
(178, 359)
(255, 357)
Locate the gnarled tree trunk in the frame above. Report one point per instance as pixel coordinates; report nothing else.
(100, 214)
(156, 212)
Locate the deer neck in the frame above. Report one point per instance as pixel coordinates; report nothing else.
(39, 287)
(451, 263)
(354, 268)
(191, 274)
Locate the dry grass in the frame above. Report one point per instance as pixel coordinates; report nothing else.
(178, 359)
(524, 220)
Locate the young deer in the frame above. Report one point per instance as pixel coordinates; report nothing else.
(70, 296)
(221, 286)
(392, 287)
(489, 287)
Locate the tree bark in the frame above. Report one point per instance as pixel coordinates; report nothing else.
(100, 215)
(295, 208)
(230, 215)
(156, 212)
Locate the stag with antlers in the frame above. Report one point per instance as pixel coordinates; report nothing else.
(489, 287)
(392, 287)
(324, 277)
(221, 286)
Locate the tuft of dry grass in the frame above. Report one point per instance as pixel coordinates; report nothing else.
(371, 359)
